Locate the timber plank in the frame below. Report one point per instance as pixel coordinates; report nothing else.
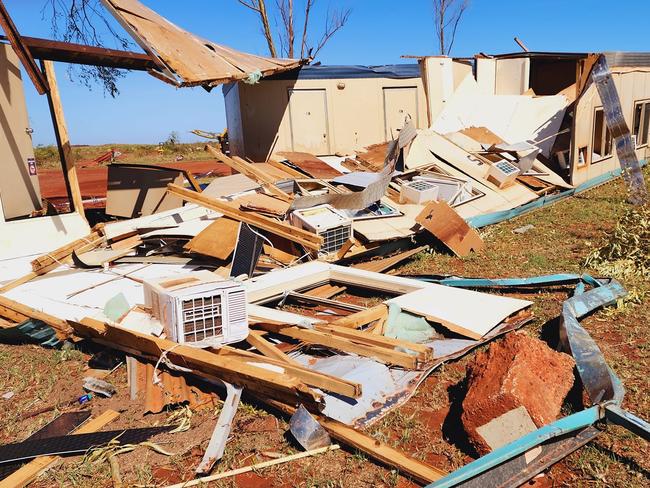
(282, 387)
(294, 234)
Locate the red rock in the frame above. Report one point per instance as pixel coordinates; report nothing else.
(516, 371)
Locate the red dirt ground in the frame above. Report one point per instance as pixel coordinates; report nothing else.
(92, 180)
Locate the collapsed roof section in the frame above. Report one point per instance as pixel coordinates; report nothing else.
(186, 59)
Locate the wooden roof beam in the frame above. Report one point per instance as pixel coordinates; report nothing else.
(67, 52)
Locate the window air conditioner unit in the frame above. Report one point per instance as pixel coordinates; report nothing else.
(324, 220)
(418, 191)
(198, 307)
(503, 173)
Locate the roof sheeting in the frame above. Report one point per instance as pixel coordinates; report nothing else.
(182, 55)
(325, 72)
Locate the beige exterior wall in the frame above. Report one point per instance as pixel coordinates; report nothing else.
(441, 76)
(633, 85)
(19, 190)
(261, 117)
(512, 76)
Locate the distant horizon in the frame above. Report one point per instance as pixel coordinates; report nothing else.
(148, 110)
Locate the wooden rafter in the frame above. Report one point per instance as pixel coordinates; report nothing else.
(22, 51)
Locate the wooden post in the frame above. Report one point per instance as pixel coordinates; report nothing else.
(62, 139)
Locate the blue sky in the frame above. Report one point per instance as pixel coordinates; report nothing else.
(379, 32)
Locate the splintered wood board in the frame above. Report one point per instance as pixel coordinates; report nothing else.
(218, 240)
(469, 313)
(443, 222)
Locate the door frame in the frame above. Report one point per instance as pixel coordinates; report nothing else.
(415, 117)
(327, 124)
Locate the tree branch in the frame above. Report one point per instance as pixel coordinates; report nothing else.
(333, 23)
(303, 44)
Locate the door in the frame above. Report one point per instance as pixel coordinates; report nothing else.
(308, 118)
(19, 191)
(398, 103)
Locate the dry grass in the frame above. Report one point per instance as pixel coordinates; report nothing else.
(48, 156)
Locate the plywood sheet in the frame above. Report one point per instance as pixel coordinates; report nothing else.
(443, 222)
(465, 312)
(137, 191)
(315, 167)
(218, 240)
(230, 185)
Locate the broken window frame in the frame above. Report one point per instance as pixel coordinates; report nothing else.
(641, 125)
(606, 141)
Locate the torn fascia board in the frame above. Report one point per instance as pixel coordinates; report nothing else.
(57, 292)
(23, 240)
(514, 118)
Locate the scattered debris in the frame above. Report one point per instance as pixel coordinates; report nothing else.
(100, 387)
(523, 229)
(307, 431)
(274, 281)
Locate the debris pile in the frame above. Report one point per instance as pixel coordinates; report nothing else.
(274, 282)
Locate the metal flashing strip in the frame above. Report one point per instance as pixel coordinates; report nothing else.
(571, 423)
(62, 425)
(602, 78)
(479, 221)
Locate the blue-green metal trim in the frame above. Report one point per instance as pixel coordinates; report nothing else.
(560, 427)
(561, 279)
(32, 331)
(496, 217)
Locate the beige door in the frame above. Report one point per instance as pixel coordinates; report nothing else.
(19, 191)
(308, 117)
(398, 103)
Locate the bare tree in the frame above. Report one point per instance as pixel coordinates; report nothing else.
(283, 11)
(446, 16)
(80, 21)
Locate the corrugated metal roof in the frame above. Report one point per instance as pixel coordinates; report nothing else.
(325, 72)
(627, 59)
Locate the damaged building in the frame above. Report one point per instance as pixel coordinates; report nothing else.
(274, 281)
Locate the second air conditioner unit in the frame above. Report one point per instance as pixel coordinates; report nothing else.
(503, 173)
(418, 191)
(324, 220)
(198, 307)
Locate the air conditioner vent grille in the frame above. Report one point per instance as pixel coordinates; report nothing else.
(237, 306)
(202, 317)
(334, 238)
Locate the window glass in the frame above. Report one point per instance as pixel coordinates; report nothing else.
(645, 125)
(602, 139)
